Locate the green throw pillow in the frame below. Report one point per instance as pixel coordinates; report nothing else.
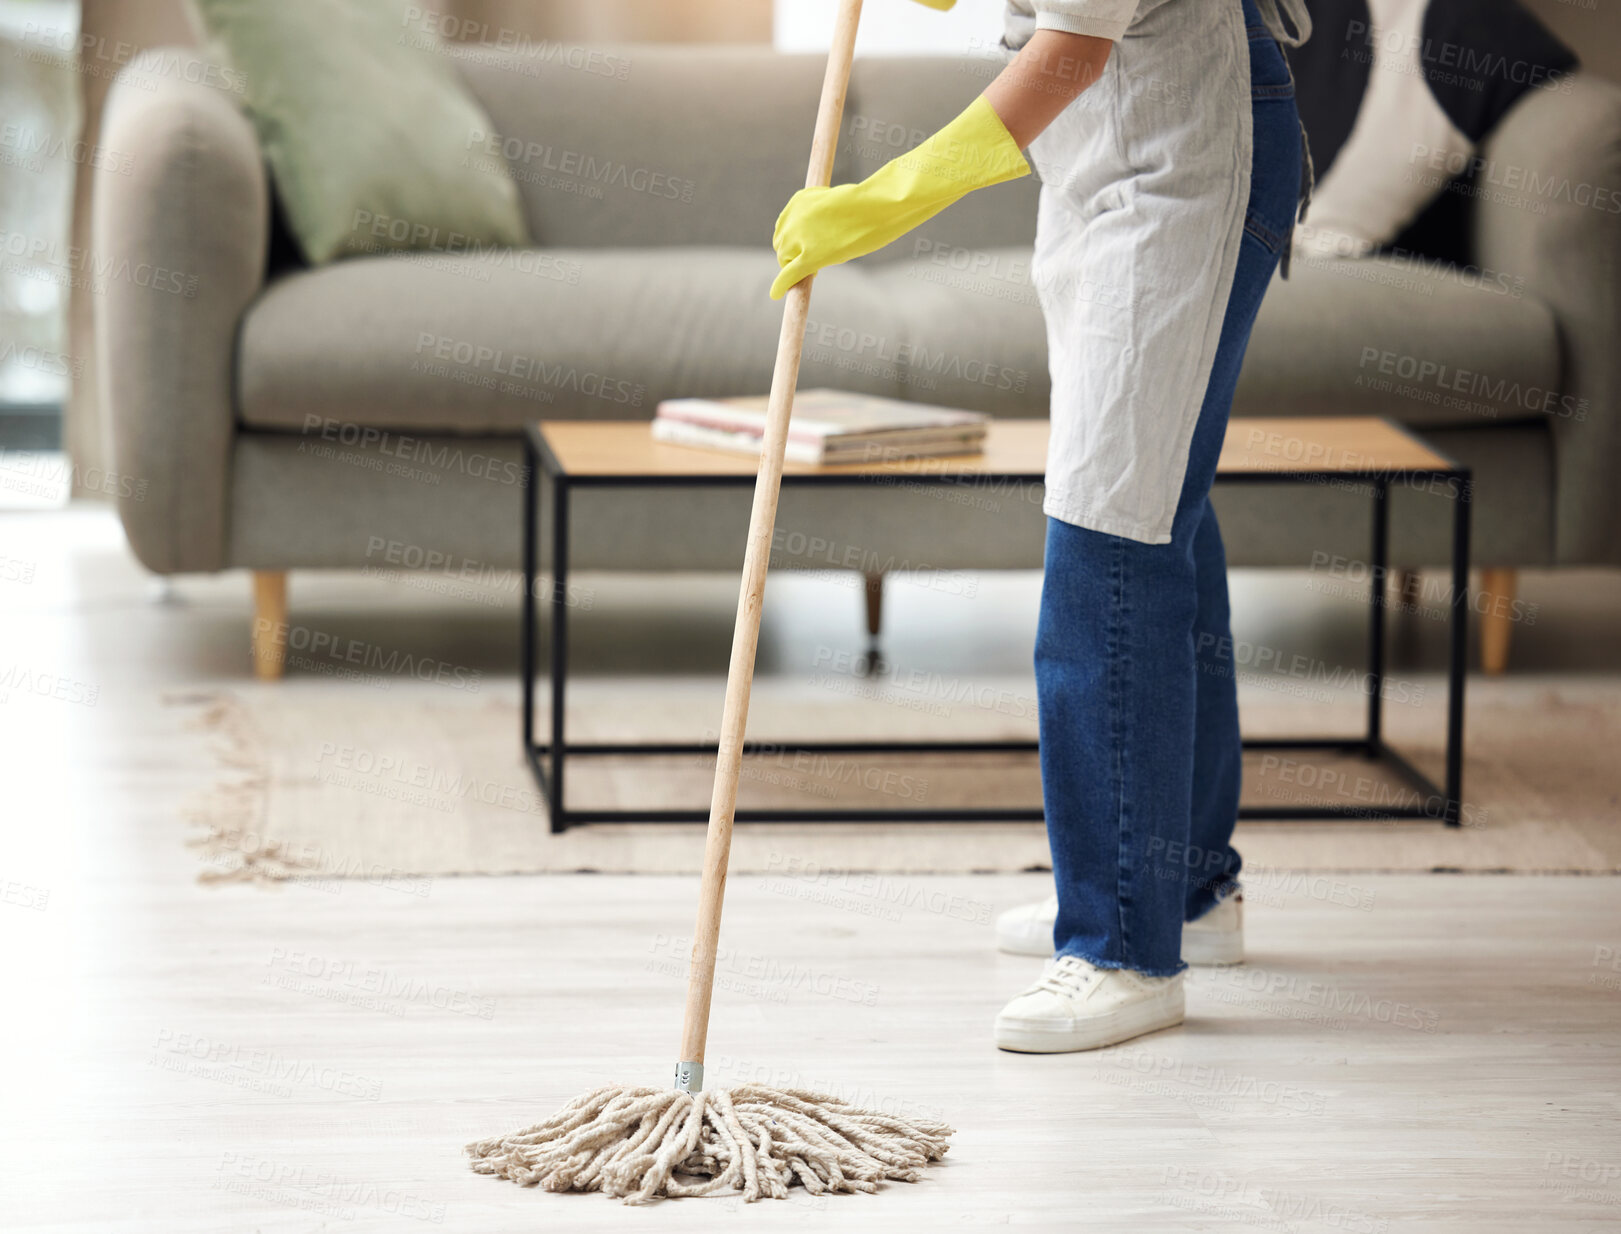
(373, 140)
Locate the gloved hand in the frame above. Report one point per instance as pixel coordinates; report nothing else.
(822, 227)
(942, 5)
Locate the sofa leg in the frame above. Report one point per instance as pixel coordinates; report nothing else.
(1496, 608)
(875, 604)
(269, 624)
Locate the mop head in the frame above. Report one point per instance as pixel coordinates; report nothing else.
(641, 1143)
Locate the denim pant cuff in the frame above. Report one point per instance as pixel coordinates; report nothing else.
(1095, 962)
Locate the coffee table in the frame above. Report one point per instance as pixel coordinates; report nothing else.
(1366, 451)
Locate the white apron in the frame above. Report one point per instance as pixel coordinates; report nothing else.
(1145, 180)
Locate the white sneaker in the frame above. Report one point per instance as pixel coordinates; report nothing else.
(1076, 1006)
(1216, 938)
(1028, 929)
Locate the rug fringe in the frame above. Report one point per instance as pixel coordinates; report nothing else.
(233, 846)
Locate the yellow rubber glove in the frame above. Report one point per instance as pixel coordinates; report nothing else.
(822, 227)
(942, 5)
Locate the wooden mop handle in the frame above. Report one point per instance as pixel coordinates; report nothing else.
(746, 633)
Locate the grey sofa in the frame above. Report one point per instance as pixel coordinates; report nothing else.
(283, 418)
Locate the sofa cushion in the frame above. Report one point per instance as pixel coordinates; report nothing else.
(634, 145)
(1423, 343)
(481, 345)
(434, 344)
(648, 144)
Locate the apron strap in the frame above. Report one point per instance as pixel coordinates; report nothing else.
(1288, 20)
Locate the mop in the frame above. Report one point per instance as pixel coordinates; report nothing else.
(641, 1143)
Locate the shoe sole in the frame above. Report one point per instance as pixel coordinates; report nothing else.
(1093, 1033)
(1202, 947)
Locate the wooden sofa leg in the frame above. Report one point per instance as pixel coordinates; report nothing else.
(269, 624)
(875, 604)
(1496, 609)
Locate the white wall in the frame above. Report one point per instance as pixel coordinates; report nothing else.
(892, 27)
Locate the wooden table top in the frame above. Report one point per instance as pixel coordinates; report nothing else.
(1342, 445)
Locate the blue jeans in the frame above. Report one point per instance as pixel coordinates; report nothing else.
(1140, 752)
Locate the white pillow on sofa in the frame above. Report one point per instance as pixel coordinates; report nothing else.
(1418, 84)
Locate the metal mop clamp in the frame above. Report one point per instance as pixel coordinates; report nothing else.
(756, 1141)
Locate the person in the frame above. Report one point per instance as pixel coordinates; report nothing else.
(1173, 169)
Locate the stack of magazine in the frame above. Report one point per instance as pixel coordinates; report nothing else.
(827, 426)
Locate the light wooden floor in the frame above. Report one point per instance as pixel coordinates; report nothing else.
(213, 1060)
(1402, 1053)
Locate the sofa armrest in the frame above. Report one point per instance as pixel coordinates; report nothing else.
(1550, 213)
(179, 230)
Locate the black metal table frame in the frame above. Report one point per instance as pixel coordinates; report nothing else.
(548, 759)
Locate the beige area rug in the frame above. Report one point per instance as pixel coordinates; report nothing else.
(405, 781)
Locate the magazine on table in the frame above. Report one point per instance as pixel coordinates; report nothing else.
(827, 426)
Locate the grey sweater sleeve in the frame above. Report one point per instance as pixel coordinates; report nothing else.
(1103, 19)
